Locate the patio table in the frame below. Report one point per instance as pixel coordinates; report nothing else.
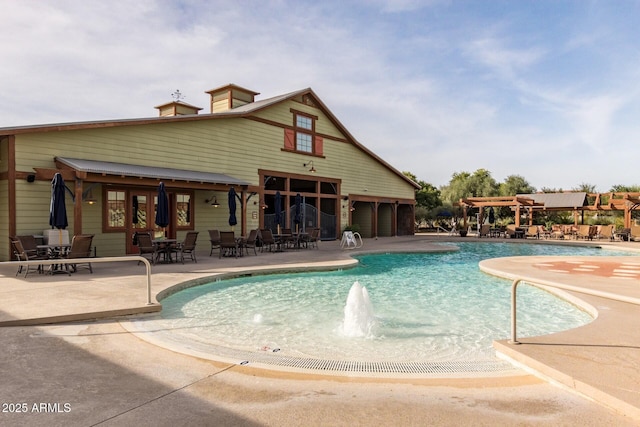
(165, 247)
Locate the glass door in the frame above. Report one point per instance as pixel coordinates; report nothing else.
(143, 205)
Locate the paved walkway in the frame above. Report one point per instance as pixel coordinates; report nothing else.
(93, 372)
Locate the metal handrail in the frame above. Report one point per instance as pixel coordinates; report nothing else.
(93, 260)
(602, 294)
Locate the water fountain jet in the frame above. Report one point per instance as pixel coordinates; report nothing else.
(358, 313)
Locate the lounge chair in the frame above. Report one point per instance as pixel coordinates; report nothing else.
(485, 230)
(146, 247)
(228, 244)
(605, 232)
(80, 248)
(587, 232)
(188, 246)
(21, 255)
(214, 238)
(622, 234)
(634, 233)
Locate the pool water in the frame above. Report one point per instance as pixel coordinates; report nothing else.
(427, 307)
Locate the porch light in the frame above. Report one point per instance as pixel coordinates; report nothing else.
(213, 201)
(90, 199)
(312, 169)
(87, 195)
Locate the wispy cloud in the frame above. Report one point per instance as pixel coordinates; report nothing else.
(432, 86)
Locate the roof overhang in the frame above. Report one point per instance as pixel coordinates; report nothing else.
(93, 170)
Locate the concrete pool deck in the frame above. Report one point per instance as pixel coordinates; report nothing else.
(89, 372)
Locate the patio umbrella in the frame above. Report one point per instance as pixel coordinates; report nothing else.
(135, 210)
(277, 205)
(296, 217)
(492, 217)
(162, 211)
(58, 208)
(232, 207)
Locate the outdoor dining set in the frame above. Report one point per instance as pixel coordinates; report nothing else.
(228, 245)
(224, 243)
(34, 248)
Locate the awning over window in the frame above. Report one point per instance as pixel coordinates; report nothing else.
(169, 174)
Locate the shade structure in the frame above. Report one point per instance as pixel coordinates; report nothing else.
(232, 207)
(162, 209)
(492, 216)
(277, 205)
(58, 208)
(297, 217)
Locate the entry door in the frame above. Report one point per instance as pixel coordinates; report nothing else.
(143, 205)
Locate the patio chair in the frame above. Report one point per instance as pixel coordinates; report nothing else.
(485, 230)
(188, 246)
(228, 244)
(532, 231)
(556, 232)
(80, 248)
(30, 245)
(251, 241)
(214, 238)
(267, 239)
(21, 255)
(147, 248)
(623, 234)
(288, 239)
(634, 233)
(312, 238)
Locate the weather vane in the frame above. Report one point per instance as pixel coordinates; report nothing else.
(177, 95)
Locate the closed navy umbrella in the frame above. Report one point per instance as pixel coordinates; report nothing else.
(162, 210)
(135, 210)
(492, 216)
(232, 207)
(296, 217)
(277, 204)
(58, 208)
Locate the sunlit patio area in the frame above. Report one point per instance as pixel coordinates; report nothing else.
(66, 347)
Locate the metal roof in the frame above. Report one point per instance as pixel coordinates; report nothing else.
(124, 169)
(558, 200)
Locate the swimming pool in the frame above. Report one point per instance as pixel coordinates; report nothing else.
(429, 308)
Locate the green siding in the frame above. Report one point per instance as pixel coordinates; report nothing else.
(238, 147)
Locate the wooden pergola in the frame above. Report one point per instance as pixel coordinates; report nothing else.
(515, 202)
(626, 202)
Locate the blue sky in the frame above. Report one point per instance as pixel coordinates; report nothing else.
(543, 89)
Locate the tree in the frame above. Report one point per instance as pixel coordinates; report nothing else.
(625, 189)
(428, 196)
(551, 190)
(515, 184)
(464, 184)
(586, 188)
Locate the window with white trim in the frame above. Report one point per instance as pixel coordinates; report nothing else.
(304, 140)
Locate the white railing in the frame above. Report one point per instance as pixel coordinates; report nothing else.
(451, 232)
(602, 294)
(92, 261)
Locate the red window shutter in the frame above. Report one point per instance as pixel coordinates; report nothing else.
(289, 140)
(318, 145)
